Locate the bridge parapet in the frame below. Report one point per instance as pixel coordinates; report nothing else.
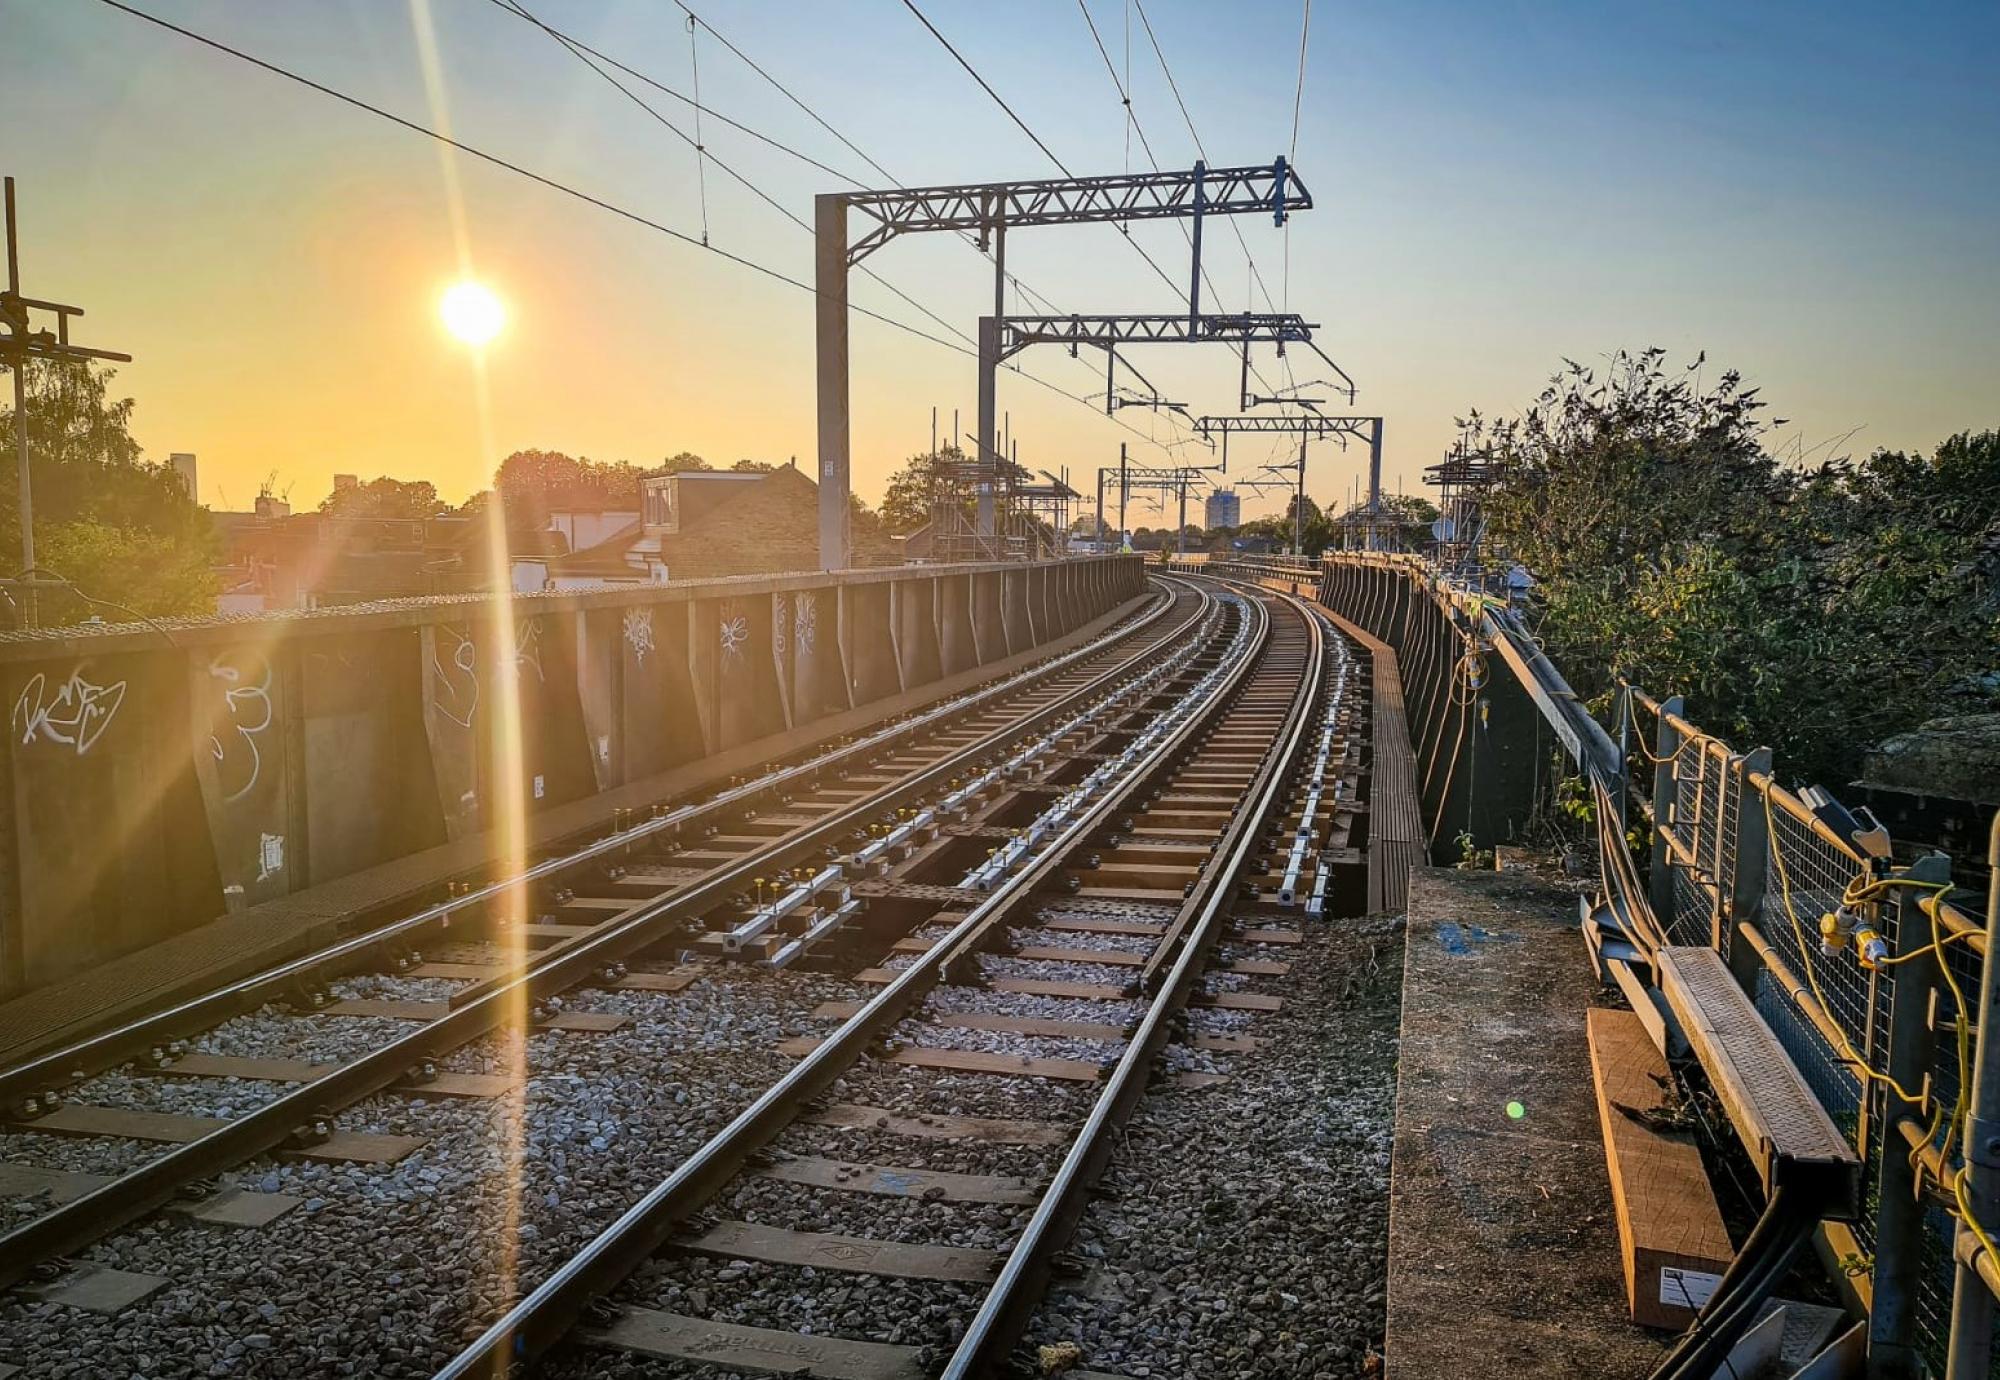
(1870, 974)
(158, 775)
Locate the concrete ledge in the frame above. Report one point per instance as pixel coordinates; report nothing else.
(1503, 1243)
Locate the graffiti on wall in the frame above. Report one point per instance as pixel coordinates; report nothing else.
(805, 623)
(75, 715)
(246, 702)
(455, 683)
(639, 633)
(735, 634)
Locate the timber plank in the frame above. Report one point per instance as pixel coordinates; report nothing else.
(1668, 1221)
(734, 1346)
(893, 1182)
(939, 1127)
(825, 1251)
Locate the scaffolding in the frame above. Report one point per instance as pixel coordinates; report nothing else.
(1462, 480)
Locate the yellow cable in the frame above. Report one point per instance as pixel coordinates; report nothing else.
(1965, 1214)
(1846, 1048)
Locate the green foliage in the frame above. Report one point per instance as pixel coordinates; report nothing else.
(385, 498)
(906, 502)
(534, 482)
(1812, 611)
(122, 530)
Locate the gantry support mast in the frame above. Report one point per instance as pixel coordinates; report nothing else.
(989, 209)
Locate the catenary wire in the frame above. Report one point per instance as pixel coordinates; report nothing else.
(624, 213)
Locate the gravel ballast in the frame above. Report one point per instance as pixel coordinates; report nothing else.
(1245, 1228)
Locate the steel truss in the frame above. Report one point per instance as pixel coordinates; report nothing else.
(988, 209)
(1307, 426)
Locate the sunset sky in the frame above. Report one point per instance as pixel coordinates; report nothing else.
(1807, 191)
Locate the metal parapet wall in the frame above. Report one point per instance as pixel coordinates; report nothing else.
(1746, 874)
(1480, 742)
(160, 775)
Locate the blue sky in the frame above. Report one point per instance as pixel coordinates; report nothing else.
(1809, 193)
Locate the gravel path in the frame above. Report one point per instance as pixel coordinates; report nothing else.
(1245, 1230)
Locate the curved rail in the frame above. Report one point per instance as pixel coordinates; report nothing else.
(546, 1315)
(111, 1047)
(95, 1214)
(1011, 1301)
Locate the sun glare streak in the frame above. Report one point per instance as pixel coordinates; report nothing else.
(506, 816)
(507, 821)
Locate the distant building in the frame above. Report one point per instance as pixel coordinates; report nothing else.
(1223, 508)
(181, 462)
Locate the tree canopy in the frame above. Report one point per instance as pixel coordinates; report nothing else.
(124, 531)
(385, 498)
(533, 482)
(1811, 610)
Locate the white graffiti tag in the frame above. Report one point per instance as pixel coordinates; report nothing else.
(455, 690)
(639, 633)
(735, 632)
(806, 623)
(75, 716)
(249, 714)
(528, 650)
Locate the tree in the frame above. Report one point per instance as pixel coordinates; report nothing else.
(122, 530)
(906, 502)
(533, 482)
(385, 498)
(685, 460)
(753, 467)
(1810, 611)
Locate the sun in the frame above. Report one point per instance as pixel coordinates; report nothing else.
(472, 313)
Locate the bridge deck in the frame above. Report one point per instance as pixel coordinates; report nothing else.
(1503, 1242)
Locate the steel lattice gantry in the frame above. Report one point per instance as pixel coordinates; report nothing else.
(1307, 426)
(988, 209)
(1001, 338)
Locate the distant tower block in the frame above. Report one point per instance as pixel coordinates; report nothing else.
(182, 464)
(346, 483)
(1223, 508)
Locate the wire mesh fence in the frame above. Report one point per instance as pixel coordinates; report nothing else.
(1749, 861)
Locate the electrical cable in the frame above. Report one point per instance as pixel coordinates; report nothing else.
(1063, 167)
(987, 87)
(700, 152)
(587, 198)
(1292, 156)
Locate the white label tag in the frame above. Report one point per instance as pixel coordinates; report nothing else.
(1687, 1288)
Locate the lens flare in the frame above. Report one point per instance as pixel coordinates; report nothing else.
(472, 313)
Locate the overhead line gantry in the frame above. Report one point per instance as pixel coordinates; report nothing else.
(1307, 426)
(989, 209)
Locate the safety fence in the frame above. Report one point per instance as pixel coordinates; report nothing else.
(1871, 973)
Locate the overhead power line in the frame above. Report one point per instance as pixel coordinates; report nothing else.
(987, 87)
(624, 213)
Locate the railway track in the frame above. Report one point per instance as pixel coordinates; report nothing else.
(763, 870)
(1056, 977)
(1039, 881)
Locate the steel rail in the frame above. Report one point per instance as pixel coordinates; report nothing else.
(547, 1314)
(108, 1048)
(102, 1210)
(1011, 1301)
